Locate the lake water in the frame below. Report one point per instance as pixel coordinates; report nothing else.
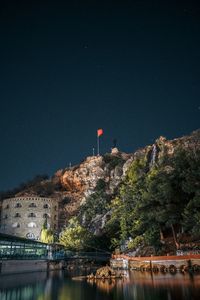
(137, 286)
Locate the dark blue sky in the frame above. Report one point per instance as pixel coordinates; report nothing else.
(66, 69)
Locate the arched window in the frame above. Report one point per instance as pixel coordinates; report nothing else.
(17, 215)
(46, 206)
(32, 225)
(32, 205)
(18, 205)
(32, 215)
(15, 225)
(46, 216)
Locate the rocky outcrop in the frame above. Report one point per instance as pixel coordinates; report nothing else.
(163, 148)
(72, 186)
(80, 181)
(83, 179)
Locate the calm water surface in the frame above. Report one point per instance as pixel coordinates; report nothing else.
(137, 286)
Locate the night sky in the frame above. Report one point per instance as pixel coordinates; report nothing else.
(68, 68)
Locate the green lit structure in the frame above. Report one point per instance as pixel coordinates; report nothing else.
(12, 247)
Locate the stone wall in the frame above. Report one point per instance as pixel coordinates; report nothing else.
(22, 266)
(151, 262)
(25, 216)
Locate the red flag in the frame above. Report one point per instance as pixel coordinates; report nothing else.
(99, 132)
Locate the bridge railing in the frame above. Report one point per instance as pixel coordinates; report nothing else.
(79, 255)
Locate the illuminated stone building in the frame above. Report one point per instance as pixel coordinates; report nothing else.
(25, 216)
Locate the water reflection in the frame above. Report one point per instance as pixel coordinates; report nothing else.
(105, 285)
(137, 286)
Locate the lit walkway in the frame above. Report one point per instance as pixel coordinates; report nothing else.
(12, 247)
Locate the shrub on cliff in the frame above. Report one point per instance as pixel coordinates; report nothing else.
(74, 237)
(112, 161)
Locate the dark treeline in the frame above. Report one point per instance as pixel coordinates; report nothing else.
(34, 183)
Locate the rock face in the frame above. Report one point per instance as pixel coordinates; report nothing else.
(80, 181)
(163, 148)
(72, 186)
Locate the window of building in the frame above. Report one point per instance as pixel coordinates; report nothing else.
(18, 205)
(6, 217)
(7, 206)
(46, 216)
(32, 205)
(55, 207)
(32, 215)
(32, 225)
(17, 215)
(46, 206)
(15, 225)
(55, 217)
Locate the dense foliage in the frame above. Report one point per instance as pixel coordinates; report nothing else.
(74, 236)
(155, 201)
(96, 204)
(158, 200)
(46, 235)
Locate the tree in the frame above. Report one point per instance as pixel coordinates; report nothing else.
(96, 204)
(74, 236)
(46, 235)
(125, 207)
(159, 198)
(189, 170)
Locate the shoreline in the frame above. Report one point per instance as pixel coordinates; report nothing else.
(157, 263)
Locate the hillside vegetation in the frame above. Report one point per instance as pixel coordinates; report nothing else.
(150, 198)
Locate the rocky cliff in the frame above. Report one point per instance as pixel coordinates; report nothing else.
(73, 186)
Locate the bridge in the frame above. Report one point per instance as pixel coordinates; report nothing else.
(69, 255)
(16, 248)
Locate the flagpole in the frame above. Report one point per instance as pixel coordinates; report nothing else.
(99, 133)
(97, 145)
